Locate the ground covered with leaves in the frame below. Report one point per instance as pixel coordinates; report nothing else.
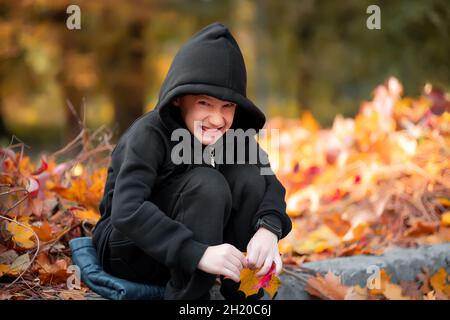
(367, 184)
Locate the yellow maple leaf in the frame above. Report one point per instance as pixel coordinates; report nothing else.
(250, 283)
(273, 286)
(21, 233)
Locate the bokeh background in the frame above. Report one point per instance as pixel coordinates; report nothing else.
(300, 55)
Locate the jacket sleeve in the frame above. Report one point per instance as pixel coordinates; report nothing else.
(273, 205)
(167, 240)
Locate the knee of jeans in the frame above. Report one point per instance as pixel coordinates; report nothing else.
(208, 183)
(248, 178)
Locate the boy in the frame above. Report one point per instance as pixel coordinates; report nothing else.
(180, 225)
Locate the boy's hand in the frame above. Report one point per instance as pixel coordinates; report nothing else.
(224, 259)
(262, 250)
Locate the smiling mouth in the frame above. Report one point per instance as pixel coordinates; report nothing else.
(211, 130)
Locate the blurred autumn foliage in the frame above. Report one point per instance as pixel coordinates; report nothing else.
(427, 287)
(368, 183)
(44, 206)
(300, 55)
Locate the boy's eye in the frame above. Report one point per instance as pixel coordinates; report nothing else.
(203, 102)
(230, 105)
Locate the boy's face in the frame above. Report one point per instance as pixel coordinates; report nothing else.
(207, 117)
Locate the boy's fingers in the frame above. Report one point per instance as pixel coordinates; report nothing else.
(229, 265)
(245, 262)
(235, 261)
(229, 273)
(252, 258)
(261, 259)
(278, 264)
(240, 256)
(265, 268)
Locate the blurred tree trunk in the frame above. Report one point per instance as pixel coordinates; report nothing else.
(128, 82)
(74, 95)
(72, 42)
(122, 70)
(3, 130)
(261, 64)
(305, 73)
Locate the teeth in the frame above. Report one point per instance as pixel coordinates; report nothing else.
(210, 130)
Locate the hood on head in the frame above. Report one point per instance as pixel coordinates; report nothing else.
(210, 63)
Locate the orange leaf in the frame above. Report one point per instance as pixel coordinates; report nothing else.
(394, 292)
(44, 231)
(309, 122)
(444, 201)
(420, 228)
(328, 287)
(445, 219)
(439, 282)
(249, 282)
(51, 272)
(5, 269)
(76, 192)
(90, 215)
(338, 225)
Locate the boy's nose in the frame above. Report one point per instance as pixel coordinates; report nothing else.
(216, 120)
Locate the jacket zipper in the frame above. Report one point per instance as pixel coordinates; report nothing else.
(211, 154)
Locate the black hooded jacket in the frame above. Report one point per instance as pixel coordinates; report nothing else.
(209, 63)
